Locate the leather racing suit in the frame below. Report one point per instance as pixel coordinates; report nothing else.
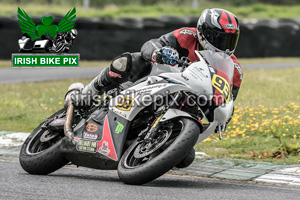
(134, 66)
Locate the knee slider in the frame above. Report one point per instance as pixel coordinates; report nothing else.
(122, 63)
(115, 74)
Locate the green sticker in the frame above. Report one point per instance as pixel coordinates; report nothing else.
(119, 128)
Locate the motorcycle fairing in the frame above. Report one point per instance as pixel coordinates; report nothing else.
(130, 102)
(103, 152)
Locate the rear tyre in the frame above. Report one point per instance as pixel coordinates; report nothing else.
(43, 157)
(136, 170)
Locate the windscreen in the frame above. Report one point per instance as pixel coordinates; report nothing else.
(219, 61)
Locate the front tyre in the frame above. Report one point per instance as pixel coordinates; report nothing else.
(135, 169)
(40, 154)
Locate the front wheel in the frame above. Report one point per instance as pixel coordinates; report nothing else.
(142, 163)
(40, 154)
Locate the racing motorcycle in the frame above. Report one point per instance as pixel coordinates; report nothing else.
(142, 138)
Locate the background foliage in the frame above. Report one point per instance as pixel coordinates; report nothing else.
(101, 3)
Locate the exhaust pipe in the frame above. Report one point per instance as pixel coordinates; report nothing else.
(75, 87)
(69, 119)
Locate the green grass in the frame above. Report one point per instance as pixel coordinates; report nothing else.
(24, 106)
(261, 134)
(268, 101)
(264, 105)
(269, 87)
(268, 60)
(255, 11)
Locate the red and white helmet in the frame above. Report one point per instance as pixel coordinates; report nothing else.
(218, 30)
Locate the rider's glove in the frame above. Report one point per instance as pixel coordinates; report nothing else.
(164, 56)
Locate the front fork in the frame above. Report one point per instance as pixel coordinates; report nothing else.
(155, 126)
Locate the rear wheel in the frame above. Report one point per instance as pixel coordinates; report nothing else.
(40, 153)
(143, 162)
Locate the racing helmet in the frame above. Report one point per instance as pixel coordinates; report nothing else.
(73, 33)
(218, 30)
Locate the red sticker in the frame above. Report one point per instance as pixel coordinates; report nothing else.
(115, 75)
(106, 145)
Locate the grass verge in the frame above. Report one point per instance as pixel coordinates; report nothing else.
(266, 124)
(254, 11)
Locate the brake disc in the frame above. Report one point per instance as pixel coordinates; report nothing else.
(144, 149)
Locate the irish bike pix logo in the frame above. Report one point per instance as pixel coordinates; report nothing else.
(46, 44)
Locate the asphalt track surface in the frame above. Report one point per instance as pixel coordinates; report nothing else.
(82, 183)
(19, 75)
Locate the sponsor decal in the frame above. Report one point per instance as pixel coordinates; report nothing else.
(230, 26)
(228, 22)
(119, 128)
(124, 103)
(104, 148)
(189, 32)
(119, 112)
(87, 146)
(200, 70)
(184, 77)
(91, 127)
(106, 145)
(40, 43)
(198, 73)
(90, 136)
(114, 75)
(146, 89)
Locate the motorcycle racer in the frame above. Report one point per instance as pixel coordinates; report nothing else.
(217, 30)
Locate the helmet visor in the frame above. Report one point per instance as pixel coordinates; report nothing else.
(220, 40)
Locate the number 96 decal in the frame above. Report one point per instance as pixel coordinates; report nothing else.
(124, 103)
(222, 85)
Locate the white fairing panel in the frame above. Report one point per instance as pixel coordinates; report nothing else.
(144, 94)
(221, 116)
(159, 68)
(223, 112)
(197, 76)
